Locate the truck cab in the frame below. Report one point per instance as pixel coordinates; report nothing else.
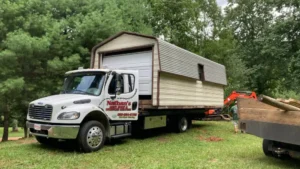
(95, 104)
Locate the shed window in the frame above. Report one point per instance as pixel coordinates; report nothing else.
(201, 72)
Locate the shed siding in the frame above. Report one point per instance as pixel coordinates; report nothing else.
(180, 91)
(128, 41)
(182, 62)
(178, 84)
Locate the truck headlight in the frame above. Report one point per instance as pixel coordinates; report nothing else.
(73, 115)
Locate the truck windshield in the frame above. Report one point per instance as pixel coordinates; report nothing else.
(90, 84)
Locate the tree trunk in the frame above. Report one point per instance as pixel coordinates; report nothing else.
(275, 103)
(5, 124)
(25, 131)
(25, 128)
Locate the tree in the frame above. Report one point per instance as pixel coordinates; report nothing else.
(186, 23)
(268, 41)
(43, 39)
(10, 90)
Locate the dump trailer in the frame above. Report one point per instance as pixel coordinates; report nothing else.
(135, 83)
(276, 122)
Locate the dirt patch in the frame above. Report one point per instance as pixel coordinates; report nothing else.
(202, 131)
(210, 139)
(124, 167)
(163, 140)
(5, 163)
(213, 139)
(52, 153)
(108, 150)
(12, 138)
(213, 160)
(201, 138)
(26, 141)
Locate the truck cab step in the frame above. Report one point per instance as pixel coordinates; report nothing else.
(121, 135)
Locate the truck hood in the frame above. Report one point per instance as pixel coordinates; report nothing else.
(62, 99)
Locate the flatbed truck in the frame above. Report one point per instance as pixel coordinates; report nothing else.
(135, 82)
(276, 122)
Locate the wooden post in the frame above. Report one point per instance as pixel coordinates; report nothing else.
(273, 102)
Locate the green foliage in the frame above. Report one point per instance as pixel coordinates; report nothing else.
(266, 32)
(40, 40)
(258, 41)
(286, 94)
(11, 87)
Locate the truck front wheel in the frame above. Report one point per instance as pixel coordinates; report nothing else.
(91, 136)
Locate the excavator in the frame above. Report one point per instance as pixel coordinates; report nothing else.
(223, 114)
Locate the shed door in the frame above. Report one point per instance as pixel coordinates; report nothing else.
(141, 61)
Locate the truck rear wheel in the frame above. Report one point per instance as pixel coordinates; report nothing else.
(265, 146)
(46, 141)
(91, 136)
(182, 124)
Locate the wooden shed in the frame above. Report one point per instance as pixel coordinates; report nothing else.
(171, 77)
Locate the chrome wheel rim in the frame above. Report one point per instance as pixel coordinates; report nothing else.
(184, 124)
(94, 137)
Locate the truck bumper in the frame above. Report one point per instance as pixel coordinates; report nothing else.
(53, 131)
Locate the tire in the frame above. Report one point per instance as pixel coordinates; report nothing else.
(182, 124)
(46, 141)
(265, 147)
(91, 136)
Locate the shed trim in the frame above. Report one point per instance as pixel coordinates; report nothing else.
(93, 52)
(128, 49)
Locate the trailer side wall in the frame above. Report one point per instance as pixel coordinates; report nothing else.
(181, 91)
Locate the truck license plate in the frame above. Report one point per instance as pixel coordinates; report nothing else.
(37, 127)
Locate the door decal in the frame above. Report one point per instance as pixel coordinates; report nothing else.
(118, 106)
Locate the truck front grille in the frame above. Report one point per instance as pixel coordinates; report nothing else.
(40, 112)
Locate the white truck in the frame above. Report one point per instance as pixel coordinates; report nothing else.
(129, 87)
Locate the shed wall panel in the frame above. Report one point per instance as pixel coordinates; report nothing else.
(128, 41)
(182, 62)
(180, 91)
(141, 61)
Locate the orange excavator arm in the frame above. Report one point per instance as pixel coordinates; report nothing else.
(242, 94)
(232, 97)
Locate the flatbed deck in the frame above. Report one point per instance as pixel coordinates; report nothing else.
(270, 123)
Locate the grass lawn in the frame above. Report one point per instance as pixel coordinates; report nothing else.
(196, 148)
(20, 133)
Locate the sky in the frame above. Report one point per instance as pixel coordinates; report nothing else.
(222, 3)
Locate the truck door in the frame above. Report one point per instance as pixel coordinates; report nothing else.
(122, 96)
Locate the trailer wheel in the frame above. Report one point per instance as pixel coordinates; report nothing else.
(182, 124)
(46, 141)
(265, 146)
(91, 136)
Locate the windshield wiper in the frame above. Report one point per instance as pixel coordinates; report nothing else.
(76, 90)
